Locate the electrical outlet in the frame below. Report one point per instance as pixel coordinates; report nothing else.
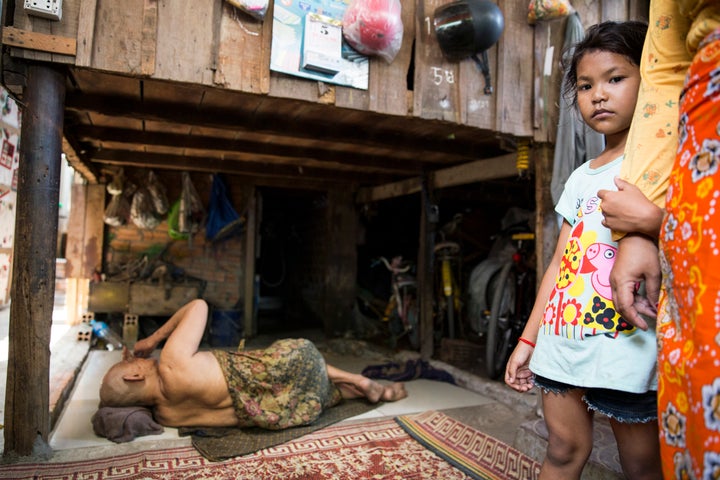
(51, 9)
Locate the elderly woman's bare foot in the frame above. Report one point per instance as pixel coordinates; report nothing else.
(352, 385)
(393, 392)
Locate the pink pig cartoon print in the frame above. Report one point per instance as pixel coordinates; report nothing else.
(599, 258)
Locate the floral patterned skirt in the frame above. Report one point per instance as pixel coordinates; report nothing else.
(689, 319)
(284, 385)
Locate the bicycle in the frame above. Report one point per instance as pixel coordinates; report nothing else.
(399, 314)
(513, 297)
(448, 288)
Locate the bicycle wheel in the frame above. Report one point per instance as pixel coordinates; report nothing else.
(499, 331)
(413, 318)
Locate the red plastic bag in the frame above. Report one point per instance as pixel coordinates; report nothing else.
(374, 27)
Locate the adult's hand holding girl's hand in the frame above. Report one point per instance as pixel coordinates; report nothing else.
(637, 260)
(629, 210)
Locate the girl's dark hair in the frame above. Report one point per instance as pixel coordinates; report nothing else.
(623, 38)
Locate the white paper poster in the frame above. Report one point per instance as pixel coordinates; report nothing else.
(307, 42)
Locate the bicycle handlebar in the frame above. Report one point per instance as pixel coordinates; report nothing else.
(391, 268)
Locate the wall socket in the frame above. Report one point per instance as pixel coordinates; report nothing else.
(51, 9)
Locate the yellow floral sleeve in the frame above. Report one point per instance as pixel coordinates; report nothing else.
(652, 140)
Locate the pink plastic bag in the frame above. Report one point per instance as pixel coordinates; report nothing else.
(374, 27)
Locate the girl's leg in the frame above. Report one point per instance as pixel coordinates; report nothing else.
(639, 448)
(353, 385)
(570, 438)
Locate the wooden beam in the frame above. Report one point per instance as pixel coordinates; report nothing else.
(42, 42)
(478, 171)
(257, 146)
(253, 167)
(331, 128)
(76, 163)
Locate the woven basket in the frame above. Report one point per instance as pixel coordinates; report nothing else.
(461, 353)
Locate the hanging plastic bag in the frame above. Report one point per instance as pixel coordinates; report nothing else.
(174, 222)
(142, 210)
(158, 194)
(117, 211)
(116, 186)
(222, 219)
(191, 214)
(255, 8)
(539, 10)
(374, 27)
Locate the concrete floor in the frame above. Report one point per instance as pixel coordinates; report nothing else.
(487, 405)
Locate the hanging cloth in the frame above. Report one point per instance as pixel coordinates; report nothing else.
(223, 221)
(575, 142)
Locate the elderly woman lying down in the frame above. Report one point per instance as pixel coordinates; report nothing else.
(287, 384)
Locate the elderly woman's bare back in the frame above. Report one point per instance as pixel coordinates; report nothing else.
(194, 394)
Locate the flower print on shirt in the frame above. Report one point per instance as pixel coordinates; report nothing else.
(580, 304)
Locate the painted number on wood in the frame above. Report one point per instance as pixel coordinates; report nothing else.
(439, 75)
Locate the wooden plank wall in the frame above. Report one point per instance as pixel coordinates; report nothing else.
(209, 42)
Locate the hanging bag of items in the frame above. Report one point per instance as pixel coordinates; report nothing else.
(149, 203)
(187, 215)
(158, 194)
(118, 209)
(374, 27)
(540, 10)
(142, 211)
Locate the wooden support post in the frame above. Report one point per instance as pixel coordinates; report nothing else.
(249, 306)
(425, 272)
(340, 261)
(27, 412)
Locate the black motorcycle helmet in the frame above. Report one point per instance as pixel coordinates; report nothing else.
(467, 27)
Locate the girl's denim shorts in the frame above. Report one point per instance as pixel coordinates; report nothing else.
(621, 406)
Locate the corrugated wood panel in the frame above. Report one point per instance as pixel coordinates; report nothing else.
(117, 43)
(515, 71)
(549, 37)
(94, 230)
(186, 40)
(75, 232)
(286, 86)
(435, 91)
(243, 58)
(388, 84)
(477, 108)
(86, 32)
(85, 231)
(613, 10)
(68, 27)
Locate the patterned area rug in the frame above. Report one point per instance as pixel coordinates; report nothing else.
(379, 449)
(473, 452)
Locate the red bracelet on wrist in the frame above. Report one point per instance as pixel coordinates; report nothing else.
(526, 341)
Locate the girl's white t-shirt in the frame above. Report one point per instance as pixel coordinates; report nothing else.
(583, 341)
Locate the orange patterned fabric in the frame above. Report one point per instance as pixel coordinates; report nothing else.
(689, 321)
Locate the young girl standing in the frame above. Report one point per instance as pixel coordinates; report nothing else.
(576, 347)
